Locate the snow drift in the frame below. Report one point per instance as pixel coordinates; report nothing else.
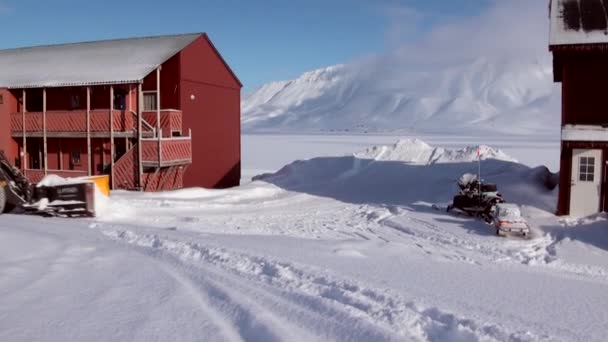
(411, 172)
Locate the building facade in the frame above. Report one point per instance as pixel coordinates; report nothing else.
(579, 45)
(154, 113)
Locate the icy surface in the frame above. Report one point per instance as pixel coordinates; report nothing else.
(326, 249)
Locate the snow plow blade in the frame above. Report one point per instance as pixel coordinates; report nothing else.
(101, 182)
(73, 199)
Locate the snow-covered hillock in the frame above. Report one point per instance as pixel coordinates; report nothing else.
(417, 151)
(411, 172)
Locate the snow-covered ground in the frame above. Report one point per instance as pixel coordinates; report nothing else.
(344, 246)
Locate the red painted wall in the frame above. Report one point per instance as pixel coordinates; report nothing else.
(169, 83)
(210, 101)
(9, 105)
(584, 82)
(584, 76)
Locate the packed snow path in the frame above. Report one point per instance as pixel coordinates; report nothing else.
(308, 253)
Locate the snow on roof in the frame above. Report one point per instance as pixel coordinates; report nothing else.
(100, 62)
(578, 22)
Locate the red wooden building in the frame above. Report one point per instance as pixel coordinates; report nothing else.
(579, 43)
(154, 113)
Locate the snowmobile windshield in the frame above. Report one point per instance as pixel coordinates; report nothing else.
(510, 212)
(466, 180)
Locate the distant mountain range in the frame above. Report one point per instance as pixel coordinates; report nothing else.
(500, 94)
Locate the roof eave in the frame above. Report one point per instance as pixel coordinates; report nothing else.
(63, 85)
(579, 47)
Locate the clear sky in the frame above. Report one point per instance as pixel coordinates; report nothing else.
(262, 40)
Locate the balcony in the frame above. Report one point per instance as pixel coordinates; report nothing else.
(173, 152)
(74, 123)
(170, 120)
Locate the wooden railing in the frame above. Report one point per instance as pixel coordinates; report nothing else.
(170, 120)
(173, 151)
(73, 121)
(126, 169)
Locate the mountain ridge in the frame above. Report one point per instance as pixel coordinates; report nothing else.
(388, 94)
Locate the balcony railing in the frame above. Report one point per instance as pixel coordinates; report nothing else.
(170, 120)
(173, 151)
(73, 121)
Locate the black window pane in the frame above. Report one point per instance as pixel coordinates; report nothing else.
(589, 178)
(591, 169)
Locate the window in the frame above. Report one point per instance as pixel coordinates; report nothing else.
(75, 101)
(586, 169)
(1, 99)
(75, 157)
(149, 101)
(120, 101)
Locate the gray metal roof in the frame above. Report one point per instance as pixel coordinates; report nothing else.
(579, 22)
(90, 63)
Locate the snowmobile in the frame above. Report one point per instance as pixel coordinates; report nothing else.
(71, 199)
(475, 197)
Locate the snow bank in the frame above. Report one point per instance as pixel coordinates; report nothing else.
(412, 171)
(417, 151)
(54, 180)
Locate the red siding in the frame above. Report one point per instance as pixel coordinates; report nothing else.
(563, 202)
(584, 80)
(210, 101)
(9, 105)
(584, 77)
(169, 83)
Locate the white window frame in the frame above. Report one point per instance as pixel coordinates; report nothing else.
(148, 93)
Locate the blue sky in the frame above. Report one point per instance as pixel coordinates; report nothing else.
(261, 40)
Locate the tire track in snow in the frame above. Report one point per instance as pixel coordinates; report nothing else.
(203, 304)
(343, 309)
(537, 252)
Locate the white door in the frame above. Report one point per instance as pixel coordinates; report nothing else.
(585, 190)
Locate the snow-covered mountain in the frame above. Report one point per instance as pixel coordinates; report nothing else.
(504, 94)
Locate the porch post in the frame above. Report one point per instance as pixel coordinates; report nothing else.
(158, 101)
(158, 129)
(140, 104)
(127, 140)
(111, 137)
(44, 142)
(23, 109)
(60, 155)
(90, 157)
